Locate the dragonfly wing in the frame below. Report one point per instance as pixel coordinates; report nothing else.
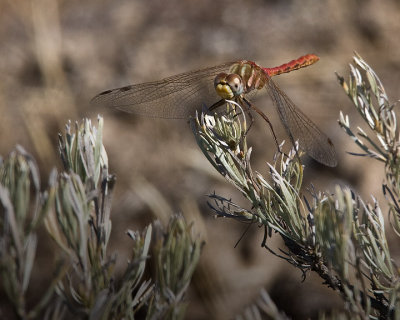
(177, 96)
(300, 127)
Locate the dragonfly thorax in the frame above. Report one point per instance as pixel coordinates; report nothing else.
(253, 76)
(229, 86)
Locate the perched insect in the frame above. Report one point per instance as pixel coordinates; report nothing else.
(181, 95)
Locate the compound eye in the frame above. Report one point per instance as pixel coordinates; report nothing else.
(220, 79)
(236, 83)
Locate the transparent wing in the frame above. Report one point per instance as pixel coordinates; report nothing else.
(300, 127)
(178, 96)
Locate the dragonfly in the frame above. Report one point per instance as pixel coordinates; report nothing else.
(180, 96)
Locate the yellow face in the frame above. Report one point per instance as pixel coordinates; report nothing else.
(228, 86)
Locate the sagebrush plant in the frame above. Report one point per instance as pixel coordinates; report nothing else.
(75, 208)
(339, 236)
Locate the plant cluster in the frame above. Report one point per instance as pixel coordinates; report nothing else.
(75, 209)
(339, 236)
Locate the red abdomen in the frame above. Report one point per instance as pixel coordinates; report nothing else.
(298, 63)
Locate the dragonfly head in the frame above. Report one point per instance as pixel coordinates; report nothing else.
(228, 86)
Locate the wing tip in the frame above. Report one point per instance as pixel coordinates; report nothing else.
(102, 96)
(331, 163)
(98, 97)
(329, 160)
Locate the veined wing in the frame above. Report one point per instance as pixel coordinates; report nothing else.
(178, 96)
(300, 127)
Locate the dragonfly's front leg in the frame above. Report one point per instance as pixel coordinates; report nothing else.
(217, 105)
(239, 102)
(222, 101)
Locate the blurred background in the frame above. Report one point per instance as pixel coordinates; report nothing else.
(56, 55)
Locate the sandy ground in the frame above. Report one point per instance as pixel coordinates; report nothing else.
(56, 55)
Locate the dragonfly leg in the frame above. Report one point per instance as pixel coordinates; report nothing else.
(248, 113)
(217, 105)
(262, 114)
(251, 120)
(222, 101)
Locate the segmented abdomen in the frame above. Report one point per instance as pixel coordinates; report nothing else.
(298, 63)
